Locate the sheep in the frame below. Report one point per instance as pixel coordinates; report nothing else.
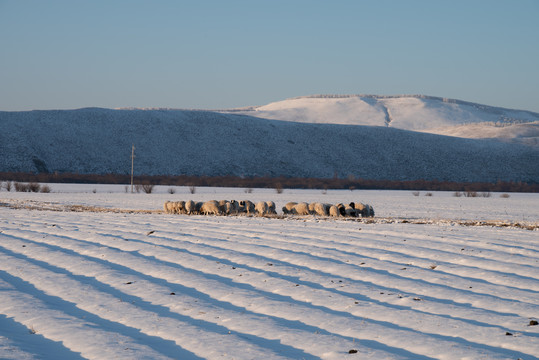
(168, 207)
(342, 210)
(271, 207)
(364, 209)
(261, 208)
(234, 207)
(301, 208)
(190, 207)
(179, 207)
(287, 209)
(359, 207)
(223, 206)
(371, 211)
(319, 209)
(334, 211)
(311, 208)
(210, 207)
(198, 207)
(350, 211)
(247, 206)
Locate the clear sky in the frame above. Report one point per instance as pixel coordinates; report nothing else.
(212, 54)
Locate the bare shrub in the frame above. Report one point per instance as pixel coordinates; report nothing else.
(192, 189)
(21, 187)
(94, 191)
(415, 193)
(470, 194)
(279, 188)
(147, 188)
(248, 190)
(428, 194)
(505, 196)
(171, 191)
(34, 187)
(457, 194)
(8, 185)
(45, 189)
(138, 188)
(486, 194)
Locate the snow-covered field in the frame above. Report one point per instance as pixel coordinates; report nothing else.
(415, 283)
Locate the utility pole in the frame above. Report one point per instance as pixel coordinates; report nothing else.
(132, 163)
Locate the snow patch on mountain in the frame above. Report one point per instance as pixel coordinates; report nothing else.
(407, 112)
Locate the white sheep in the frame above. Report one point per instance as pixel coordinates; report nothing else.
(301, 208)
(247, 206)
(319, 209)
(287, 209)
(342, 210)
(223, 206)
(359, 207)
(350, 211)
(190, 207)
(364, 209)
(334, 211)
(234, 207)
(168, 207)
(179, 207)
(210, 207)
(261, 208)
(271, 207)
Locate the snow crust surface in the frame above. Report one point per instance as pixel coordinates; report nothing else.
(134, 285)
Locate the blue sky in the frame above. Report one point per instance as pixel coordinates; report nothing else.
(212, 54)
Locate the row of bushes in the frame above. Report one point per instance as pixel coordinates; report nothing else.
(350, 183)
(25, 187)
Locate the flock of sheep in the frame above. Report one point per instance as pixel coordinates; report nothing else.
(264, 208)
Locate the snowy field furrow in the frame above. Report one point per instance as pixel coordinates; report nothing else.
(118, 285)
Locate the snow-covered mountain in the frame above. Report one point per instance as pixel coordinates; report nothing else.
(408, 112)
(371, 137)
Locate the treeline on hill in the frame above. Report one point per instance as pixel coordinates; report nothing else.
(350, 182)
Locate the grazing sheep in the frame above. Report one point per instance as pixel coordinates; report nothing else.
(179, 207)
(247, 206)
(198, 206)
(261, 208)
(342, 210)
(223, 206)
(334, 211)
(359, 207)
(350, 211)
(301, 208)
(319, 209)
(234, 207)
(190, 207)
(228, 208)
(311, 208)
(210, 207)
(271, 207)
(287, 209)
(168, 207)
(364, 209)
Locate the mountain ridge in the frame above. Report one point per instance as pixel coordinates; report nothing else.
(212, 143)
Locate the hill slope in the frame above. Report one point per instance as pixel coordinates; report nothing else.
(176, 142)
(409, 112)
